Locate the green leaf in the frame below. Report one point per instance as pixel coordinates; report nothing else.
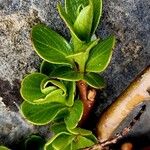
(48, 145)
(82, 142)
(95, 80)
(46, 67)
(62, 141)
(47, 87)
(66, 73)
(58, 127)
(40, 114)
(52, 83)
(77, 43)
(91, 137)
(71, 89)
(69, 147)
(38, 88)
(72, 6)
(31, 87)
(100, 55)
(86, 133)
(97, 12)
(3, 148)
(76, 112)
(83, 23)
(80, 131)
(50, 46)
(34, 141)
(83, 54)
(62, 114)
(55, 96)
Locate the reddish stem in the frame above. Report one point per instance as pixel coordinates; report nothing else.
(87, 96)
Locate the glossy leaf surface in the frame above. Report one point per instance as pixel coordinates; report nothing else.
(50, 46)
(83, 23)
(31, 87)
(62, 141)
(80, 131)
(48, 145)
(77, 43)
(97, 12)
(54, 96)
(46, 67)
(95, 80)
(72, 6)
(66, 73)
(71, 91)
(100, 55)
(75, 114)
(40, 114)
(58, 127)
(82, 142)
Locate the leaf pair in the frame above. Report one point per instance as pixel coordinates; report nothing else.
(82, 18)
(69, 139)
(69, 74)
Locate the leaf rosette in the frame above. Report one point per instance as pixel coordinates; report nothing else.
(38, 88)
(82, 18)
(45, 99)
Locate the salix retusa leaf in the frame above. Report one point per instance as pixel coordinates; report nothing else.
(46, 67)
(66, 73)
(75, 114)
(83, 23)
(48, 44)
(95, 80)
(77, 43)
(100, 55)
(97, 12)
(31, 87)
(41, 114)
(39, 89)
(72, 7)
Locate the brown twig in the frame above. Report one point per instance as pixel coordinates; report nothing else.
(105, 145)
(87, 96)
(135, 94)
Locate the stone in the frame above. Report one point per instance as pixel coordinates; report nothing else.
(128, 20)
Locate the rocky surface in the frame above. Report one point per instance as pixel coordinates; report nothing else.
(127, 19)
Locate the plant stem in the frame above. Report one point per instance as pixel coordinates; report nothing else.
(87, 96)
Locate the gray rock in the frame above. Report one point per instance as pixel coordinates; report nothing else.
(12, 121)
(127, 19)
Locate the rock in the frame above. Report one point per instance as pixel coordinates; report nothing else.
(12, 125)
(127, 19)
(129, 22)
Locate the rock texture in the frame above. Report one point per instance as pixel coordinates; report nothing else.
(127, 19)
